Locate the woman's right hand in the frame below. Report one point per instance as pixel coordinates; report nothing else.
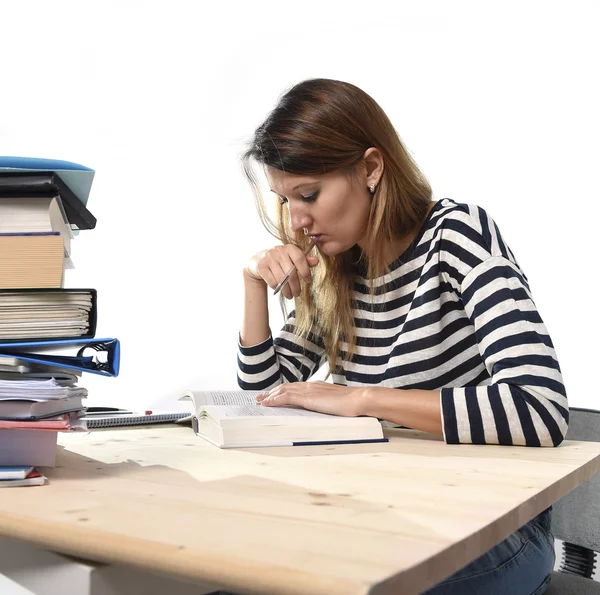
(271, 266)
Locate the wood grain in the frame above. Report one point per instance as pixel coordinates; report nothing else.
(379, 518)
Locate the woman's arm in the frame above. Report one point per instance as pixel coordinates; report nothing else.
(265, 269)
(255, 325)
(263, 362)
(525, 402)
(416, 409)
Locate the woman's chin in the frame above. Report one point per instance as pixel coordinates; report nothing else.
(331, 248)
(325, 248)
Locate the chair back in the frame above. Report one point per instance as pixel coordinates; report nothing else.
(576, 516)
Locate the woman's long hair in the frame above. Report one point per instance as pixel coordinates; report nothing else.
(321, 126)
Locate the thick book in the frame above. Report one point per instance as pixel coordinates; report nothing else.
(47, 314)
(233, 419)
(35, 214)
(32, 408)
(34, 260)
(48, 183)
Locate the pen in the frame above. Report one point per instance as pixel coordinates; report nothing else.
(107, 413)
(281, 284)
(114, 413)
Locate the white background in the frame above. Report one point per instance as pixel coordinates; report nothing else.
(497, 101)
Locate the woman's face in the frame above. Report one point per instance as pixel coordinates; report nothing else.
(334, 207)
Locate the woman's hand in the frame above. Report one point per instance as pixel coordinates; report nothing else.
(324, 397)
(271, 266)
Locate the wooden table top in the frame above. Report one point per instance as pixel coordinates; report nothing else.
(362, 518)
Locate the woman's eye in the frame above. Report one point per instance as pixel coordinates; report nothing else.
(310, 198)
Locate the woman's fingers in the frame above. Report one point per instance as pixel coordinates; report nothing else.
(300, 261)
(276, 263)
(324, 397)
(267, 274)
(280, 395)
(292, 287)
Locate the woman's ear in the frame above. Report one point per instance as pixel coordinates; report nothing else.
(373, 162)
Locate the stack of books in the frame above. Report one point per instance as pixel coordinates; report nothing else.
(20, 476)
(42, 209)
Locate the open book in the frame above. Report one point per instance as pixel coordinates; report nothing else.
(234, 419)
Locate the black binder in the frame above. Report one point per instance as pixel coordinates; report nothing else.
(92, 314)
(26, 184)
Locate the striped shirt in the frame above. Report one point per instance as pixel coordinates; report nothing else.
(455, 314)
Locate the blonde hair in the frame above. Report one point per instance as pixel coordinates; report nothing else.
(321, 126)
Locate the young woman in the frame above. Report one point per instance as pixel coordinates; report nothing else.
(418, 307)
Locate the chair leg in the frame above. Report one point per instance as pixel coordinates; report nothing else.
(578, 560)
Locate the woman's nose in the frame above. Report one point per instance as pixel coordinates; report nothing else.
(299, 219)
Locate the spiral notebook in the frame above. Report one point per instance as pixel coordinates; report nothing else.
(133, 419)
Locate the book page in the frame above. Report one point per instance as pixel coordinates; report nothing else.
(234, 397)
(260, 411)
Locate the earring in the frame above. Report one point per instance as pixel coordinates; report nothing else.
(372, 188)
(305, 230)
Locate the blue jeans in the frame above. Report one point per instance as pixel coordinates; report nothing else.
(519, 565)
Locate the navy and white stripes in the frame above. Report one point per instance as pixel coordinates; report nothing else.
(455, 314)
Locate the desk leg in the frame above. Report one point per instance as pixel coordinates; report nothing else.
(9, 587)
(40, 572)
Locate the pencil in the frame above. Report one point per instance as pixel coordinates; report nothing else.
(282, 283)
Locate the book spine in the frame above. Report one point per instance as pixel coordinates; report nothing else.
(30, 233)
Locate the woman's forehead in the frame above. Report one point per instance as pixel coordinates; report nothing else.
(282, 182)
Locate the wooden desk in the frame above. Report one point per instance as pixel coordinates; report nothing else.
(377, 518)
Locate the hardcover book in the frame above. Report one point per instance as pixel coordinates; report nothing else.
(234, 419)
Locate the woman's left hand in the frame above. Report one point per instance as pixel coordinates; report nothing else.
(323, 397)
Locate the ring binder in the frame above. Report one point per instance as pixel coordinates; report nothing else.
(51, 296)
(28, 351)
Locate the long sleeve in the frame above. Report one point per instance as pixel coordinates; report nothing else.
(525, 402)
(284, 359)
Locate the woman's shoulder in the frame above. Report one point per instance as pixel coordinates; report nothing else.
(469, 225)
(470, 214)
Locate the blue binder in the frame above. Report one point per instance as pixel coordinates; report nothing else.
(98, 356)
(77, 177)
